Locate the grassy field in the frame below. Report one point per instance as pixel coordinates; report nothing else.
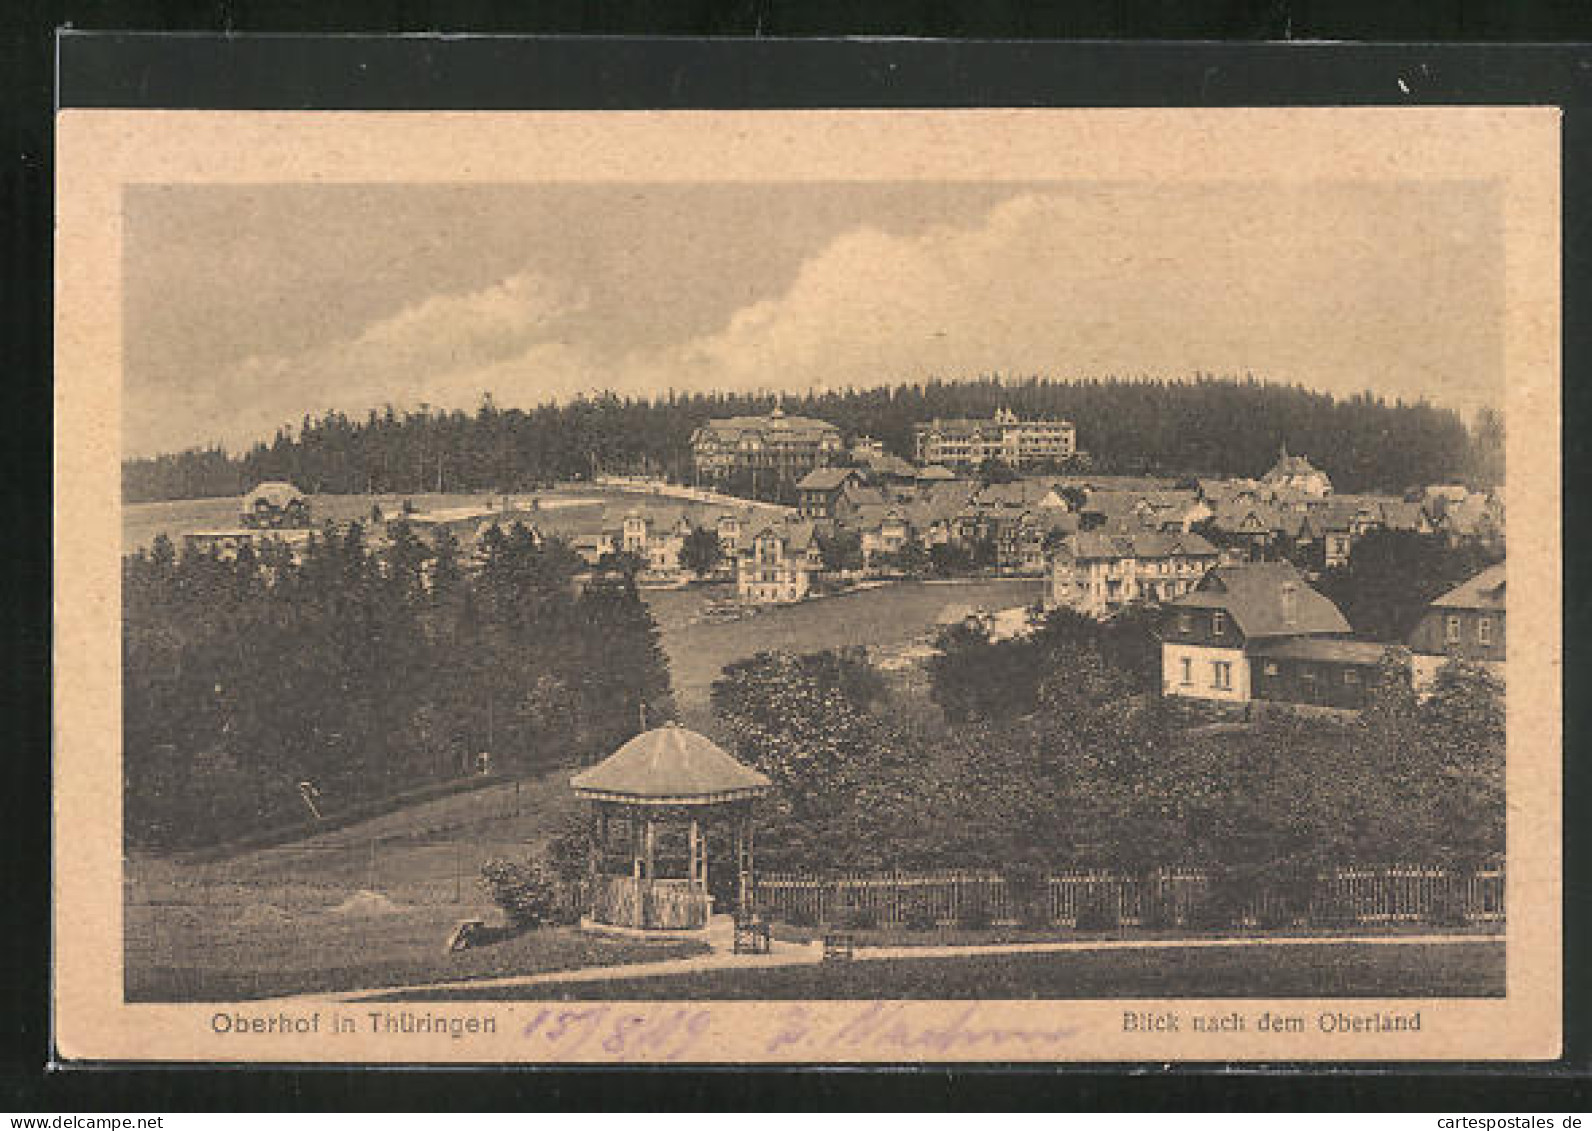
(366, 905)
(142, 521)
(1335, 971)
(251, 957)
(887, 618)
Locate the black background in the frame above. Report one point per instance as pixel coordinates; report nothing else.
(198, 70)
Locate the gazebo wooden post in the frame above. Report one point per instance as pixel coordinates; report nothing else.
(594, 856)
(693, 869)
(635, 866)
(743, 860)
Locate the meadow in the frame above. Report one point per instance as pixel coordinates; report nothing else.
(889, 619)
(1471, 969)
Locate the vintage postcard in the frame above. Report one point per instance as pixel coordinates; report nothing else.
(808, 586)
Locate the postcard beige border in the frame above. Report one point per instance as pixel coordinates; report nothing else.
(100, 151)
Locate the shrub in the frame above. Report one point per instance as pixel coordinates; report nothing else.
(1028, 892)
(1160, 911)
(1221, 906)
(1447, 909)
(857, 917)
(1098, 913)
(527, 892)
(974, 914)
(920, 914)
(1332, 910)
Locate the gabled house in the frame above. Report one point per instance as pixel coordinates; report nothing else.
(274, 506)
(656, 540)
(729, 526)
(1097, 573)
(820, 490)
(1468, 623)
(778, 564)
(1296, 473)
(1022, 545)
(882, 529)
(1258, 633)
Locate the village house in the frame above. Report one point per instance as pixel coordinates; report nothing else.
(1466, 623)
(1257, 633)
(274, 506)
(1015, 442)
(729, 527)
(1127, 511)
(1097, 573)
(932, 511)
(782, 447)
(820, 490)
(1023, 543)
(882, 529)
(778, 565)
(655, 540)
(1296, 474)
(226, 544)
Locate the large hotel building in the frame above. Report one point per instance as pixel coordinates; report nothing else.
(968, 443)
(786, 446)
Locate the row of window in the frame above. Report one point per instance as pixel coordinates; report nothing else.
(1185, 623)
(1221, 674)
(1453, 629)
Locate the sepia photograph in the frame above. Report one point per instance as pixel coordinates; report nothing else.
(728, 571)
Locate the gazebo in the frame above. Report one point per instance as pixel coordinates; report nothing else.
(660, 781)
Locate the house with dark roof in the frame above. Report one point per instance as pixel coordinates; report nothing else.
(1258, 633)
(818, 492)
(1466, 623)
(274, 506)
(1097, 573)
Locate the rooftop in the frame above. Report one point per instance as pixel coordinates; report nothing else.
(1484, 591)
(669, 766)
(1255, 596)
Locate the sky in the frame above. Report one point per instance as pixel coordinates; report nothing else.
(246, 307)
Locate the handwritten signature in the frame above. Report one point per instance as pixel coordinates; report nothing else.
(605, 1032)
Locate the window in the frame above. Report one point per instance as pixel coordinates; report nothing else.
(1451, 630)
(1484, 630)
(1351, 677)
(1271, 668)
(1188, 671)
(1221, 675)
(1218, 623)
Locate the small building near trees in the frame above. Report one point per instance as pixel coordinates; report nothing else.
(1257, 632)
(274, 506)
(1466, 623)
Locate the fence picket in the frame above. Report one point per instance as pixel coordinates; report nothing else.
(1165, 897)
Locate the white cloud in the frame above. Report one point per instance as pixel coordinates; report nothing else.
(1082, 284)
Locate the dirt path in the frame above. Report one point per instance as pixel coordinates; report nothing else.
(798, 954)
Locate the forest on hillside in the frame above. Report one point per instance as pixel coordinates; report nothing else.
(364, 673)
(1208, 426)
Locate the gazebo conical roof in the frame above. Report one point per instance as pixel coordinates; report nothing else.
(669, 766)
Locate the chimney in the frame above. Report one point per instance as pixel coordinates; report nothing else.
(1290, 602)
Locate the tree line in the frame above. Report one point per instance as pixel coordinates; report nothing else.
(256, 687)
(1206, 426)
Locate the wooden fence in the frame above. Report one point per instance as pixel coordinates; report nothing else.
(1164, 898)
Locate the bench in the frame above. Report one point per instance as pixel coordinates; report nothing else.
(752, 935)
(840, 946)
